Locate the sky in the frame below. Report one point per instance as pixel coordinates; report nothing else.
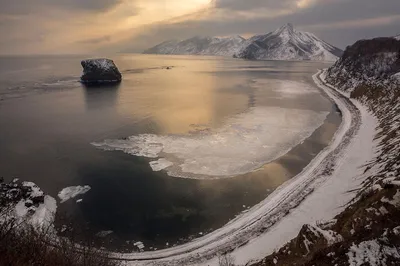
(107, 26)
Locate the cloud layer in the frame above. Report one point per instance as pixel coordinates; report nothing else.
(83, 26)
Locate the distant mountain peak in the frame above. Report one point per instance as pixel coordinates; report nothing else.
(287, 43)
(201, 45)
(289, 28)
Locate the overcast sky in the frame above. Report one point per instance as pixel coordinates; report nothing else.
(90, 26)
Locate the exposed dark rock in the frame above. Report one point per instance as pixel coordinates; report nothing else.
(366, 61)
(28, 203)
(100, 70)
(13, 192)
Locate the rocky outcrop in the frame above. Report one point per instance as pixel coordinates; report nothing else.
(366, 61)
(15, 191)
(100, 71)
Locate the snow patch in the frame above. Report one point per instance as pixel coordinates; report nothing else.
(36, 191)
(43, 215)
(160, 164)
(371, 253)
(104, 233)
(330, 236)
(139, 245)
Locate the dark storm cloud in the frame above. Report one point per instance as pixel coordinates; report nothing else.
(24, 7)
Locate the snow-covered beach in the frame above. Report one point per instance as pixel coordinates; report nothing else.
(317, 193)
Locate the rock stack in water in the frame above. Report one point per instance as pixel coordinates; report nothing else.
(100, 70)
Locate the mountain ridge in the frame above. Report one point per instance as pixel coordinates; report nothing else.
(200, 45)
(285, 43)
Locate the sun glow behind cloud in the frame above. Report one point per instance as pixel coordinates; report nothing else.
(97, 26)
(152, 11)
(305, 3)
(83, 31)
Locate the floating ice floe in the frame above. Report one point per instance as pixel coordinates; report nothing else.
(71, 192)
(139, 245)
(243, 144)
(160, 164)
(104, 233)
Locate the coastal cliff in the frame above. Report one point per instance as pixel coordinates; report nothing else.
(367, 232)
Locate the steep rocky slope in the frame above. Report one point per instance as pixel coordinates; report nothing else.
(200, 46)
(368, 231)
(287, 43)
(367, 61)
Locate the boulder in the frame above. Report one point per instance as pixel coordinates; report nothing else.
(100, 70)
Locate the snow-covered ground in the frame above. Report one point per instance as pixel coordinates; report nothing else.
(27, 203)
(317, 193)
(43, 215)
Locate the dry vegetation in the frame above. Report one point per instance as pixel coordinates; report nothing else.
(23, 245)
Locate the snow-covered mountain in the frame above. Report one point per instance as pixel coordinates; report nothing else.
(287, 43)
(200, 46)
(397, 37)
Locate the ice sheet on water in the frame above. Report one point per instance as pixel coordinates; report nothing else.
(244, 143)
(160, 164)
(285, 88)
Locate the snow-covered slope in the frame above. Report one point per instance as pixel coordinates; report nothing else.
(365, 62)
(397, 37)
(200, 46)
(367, 232)
(287, 43)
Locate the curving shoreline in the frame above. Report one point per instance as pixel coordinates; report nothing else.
(270, 211)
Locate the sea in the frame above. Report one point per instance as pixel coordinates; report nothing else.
(180, 147)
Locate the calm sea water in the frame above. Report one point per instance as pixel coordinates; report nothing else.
(48, 121)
